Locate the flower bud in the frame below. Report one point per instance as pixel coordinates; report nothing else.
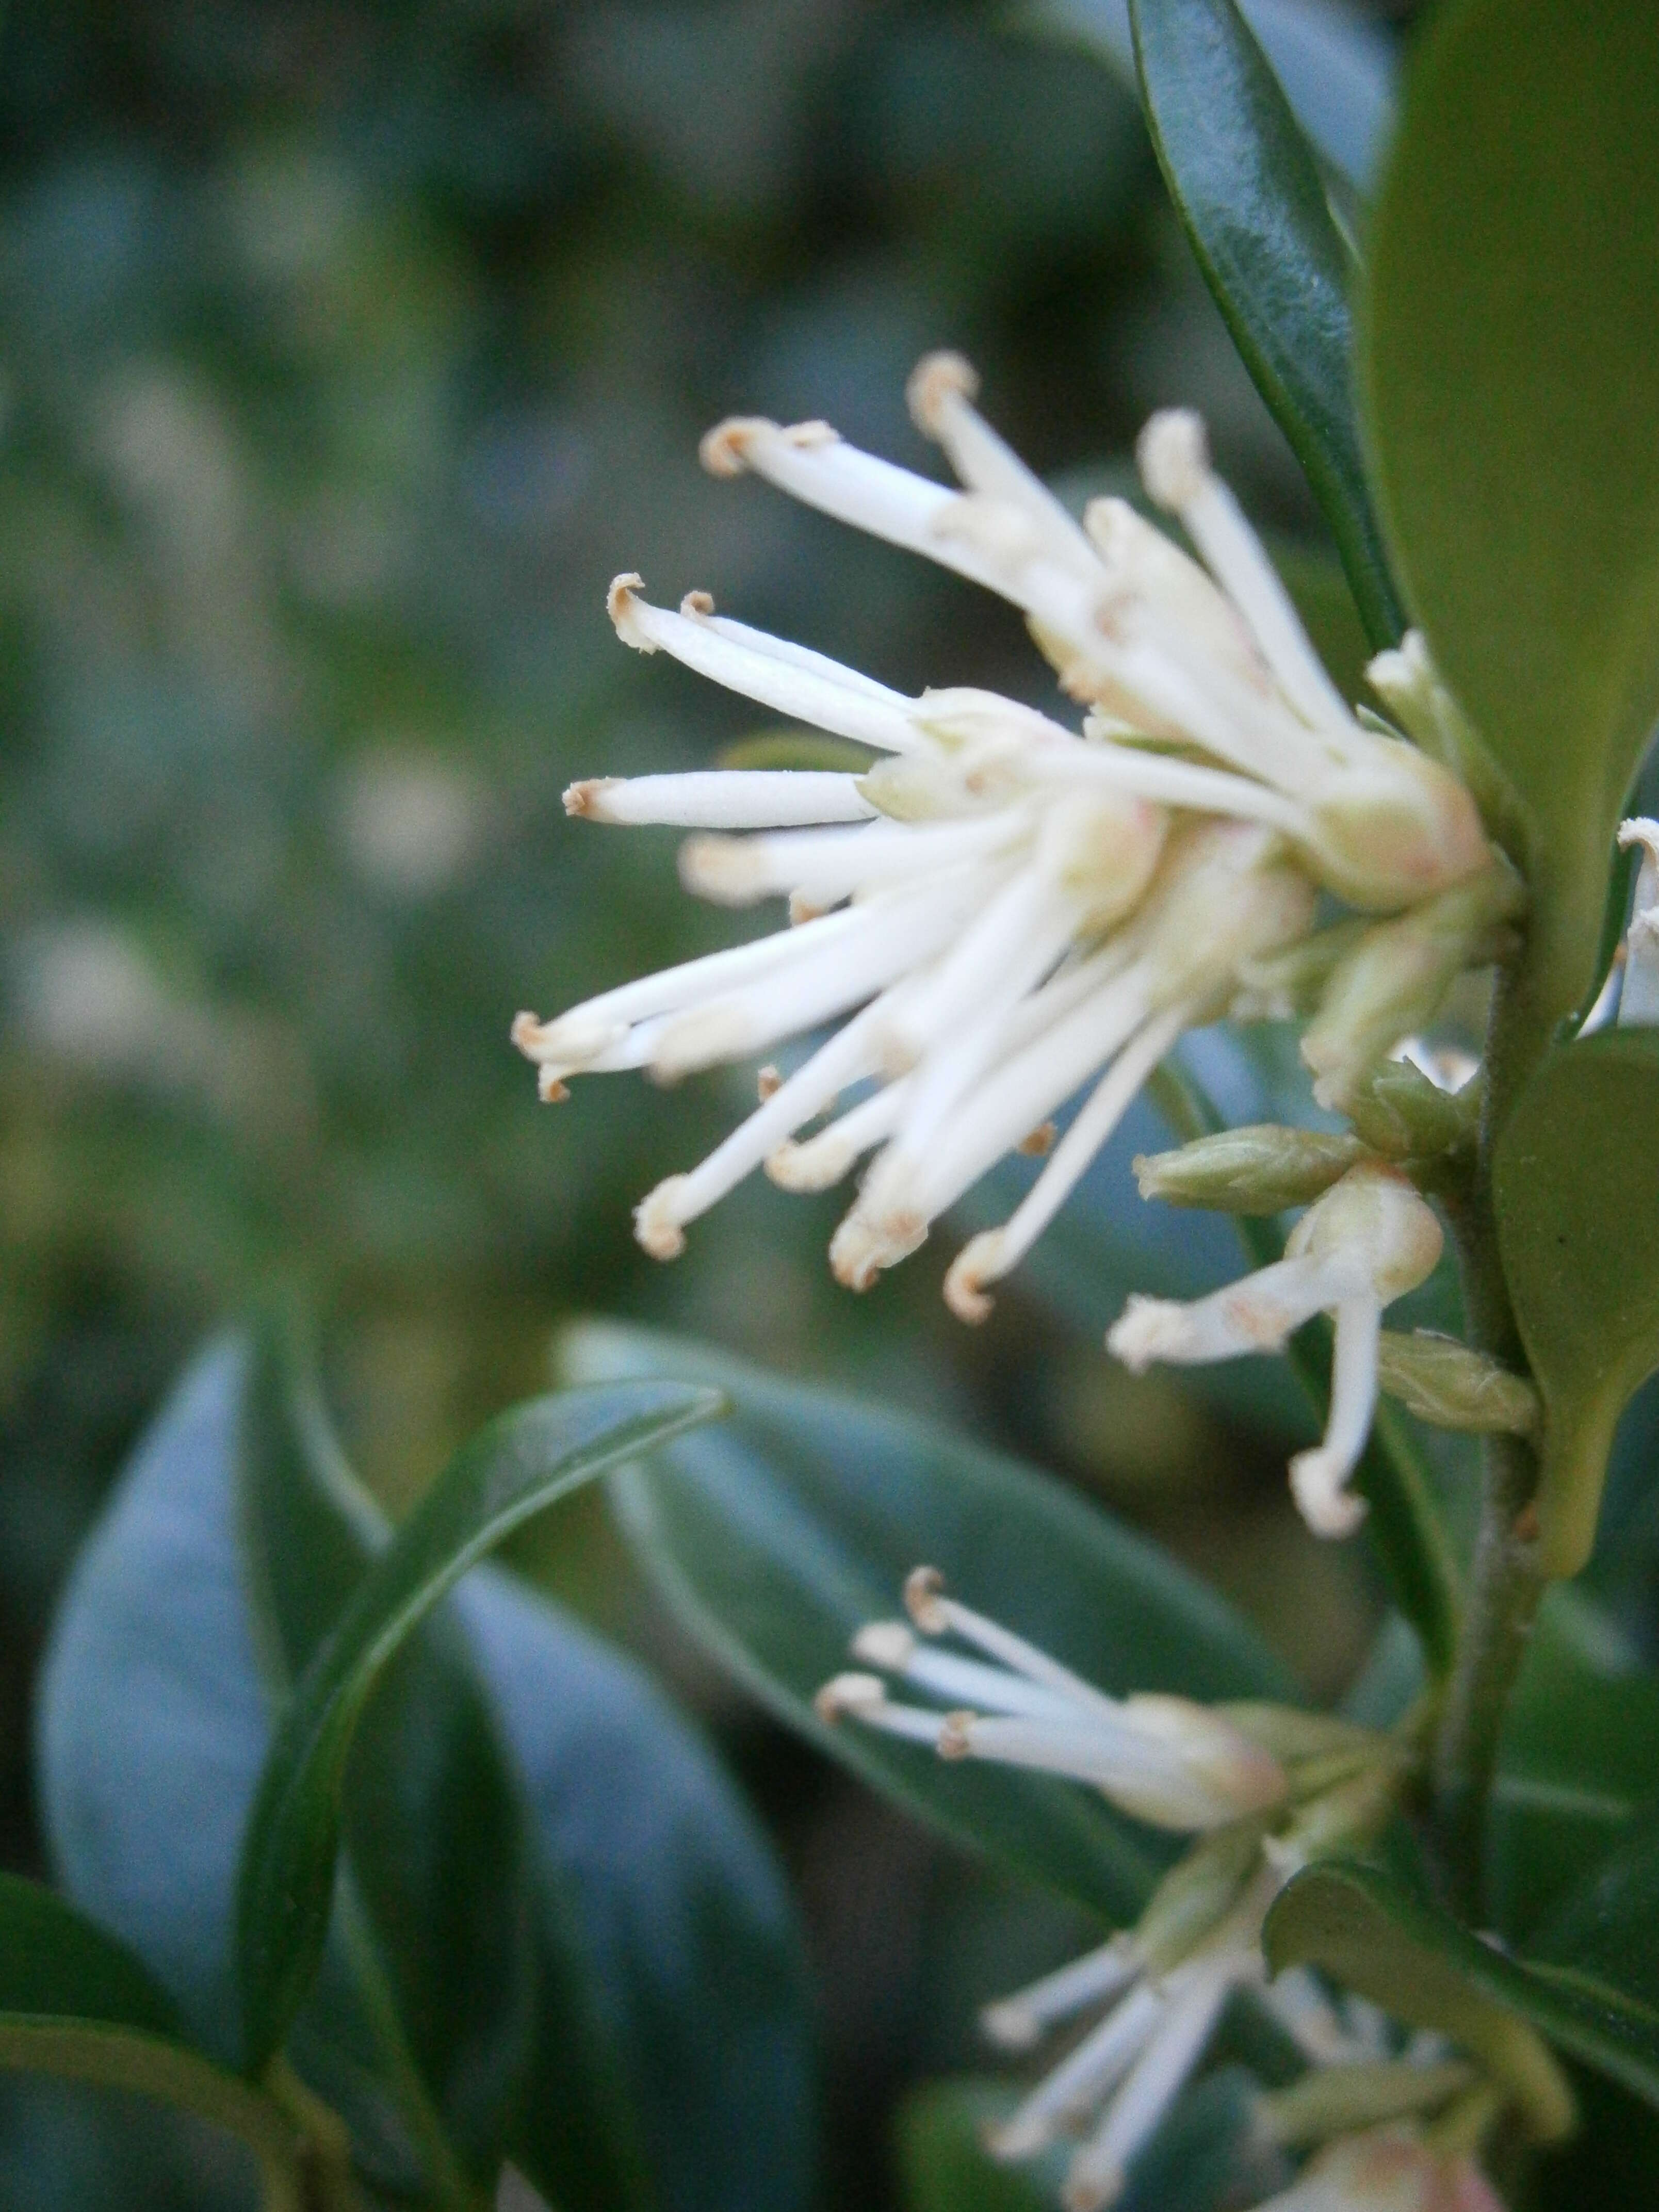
(1396, 977)
(1638, 997)
(1448, 1385)
(1259, 1168)
(1401, 1112)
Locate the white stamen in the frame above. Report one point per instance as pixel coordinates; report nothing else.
(1639, 1000)
(829, 865)
(842, 702)
(820, 1161)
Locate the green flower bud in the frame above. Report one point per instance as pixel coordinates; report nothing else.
(1403, 1114)
(1447, 1384)
(1259, 1168)
(1396, 977)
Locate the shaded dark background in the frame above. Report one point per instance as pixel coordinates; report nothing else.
(345, 353)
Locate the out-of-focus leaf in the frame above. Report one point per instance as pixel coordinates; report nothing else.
(1337, 68)
(1248, 191)
(1393, 1944)
(1576, 1766)
(515, 1467)
(76, 2003)
(1509, 362)
(779, 1538)
(1575, 1177)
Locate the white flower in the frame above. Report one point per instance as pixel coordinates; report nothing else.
(1387, 2169)
(1369, 1240)
(1217, 661)
(1163, 1759)
(1001, 910)
(1638, 996)
(1258, 1814)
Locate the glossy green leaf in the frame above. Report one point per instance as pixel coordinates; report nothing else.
(1249, 193)
(1377, 1936)
(779, 1535)
(1576, 1766)
(77, 2004)
(1510, 367)
(1607, 1925)
(155, 1725)
(514, 1468)
(1576, 1181)
(1336, 66)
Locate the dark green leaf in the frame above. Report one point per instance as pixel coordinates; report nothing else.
(1337, 67)
(778, 1536)
(657, 1885)
(1576, 1181)
(514, 1468)
(77, 2004)
(1510, 365)
(1248, 191)
(1575, 1766)
(1377, 1936)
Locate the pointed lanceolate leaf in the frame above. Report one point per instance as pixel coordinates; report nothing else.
(1577, 1183)
(778, 1536)
(1248, 191)
(517, 1465)
(1510, 368)
(1375, 1934)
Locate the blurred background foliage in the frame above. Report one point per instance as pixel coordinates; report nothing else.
(346, 350)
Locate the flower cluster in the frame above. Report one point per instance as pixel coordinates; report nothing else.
(1003, 913)
(1264, 1789)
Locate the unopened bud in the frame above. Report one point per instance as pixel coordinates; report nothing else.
(1401, 1112)
(1259, 1169)
(1394, 980)
(1399, 829)
(1448, 1385)
(1198, 1893)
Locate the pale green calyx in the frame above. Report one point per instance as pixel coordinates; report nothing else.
(1445, 1384)
(1261, 1167)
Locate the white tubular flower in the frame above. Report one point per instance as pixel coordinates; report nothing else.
(1213, 657)
(1387, 2169)
(1366, 1243)
(1000, 923)
(1638, 996)
(1163, 1760)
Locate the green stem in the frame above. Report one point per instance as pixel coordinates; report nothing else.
(1505, 1582)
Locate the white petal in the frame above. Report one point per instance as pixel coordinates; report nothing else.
(1103, 2057)
(1175, 463)
(722, 798)
(1097, 2173)
(1016, 2022)
(992, 1254)
(828, 865)
(941, 394)
(1318, 1477)
(884, 938)
(1256, 1314)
